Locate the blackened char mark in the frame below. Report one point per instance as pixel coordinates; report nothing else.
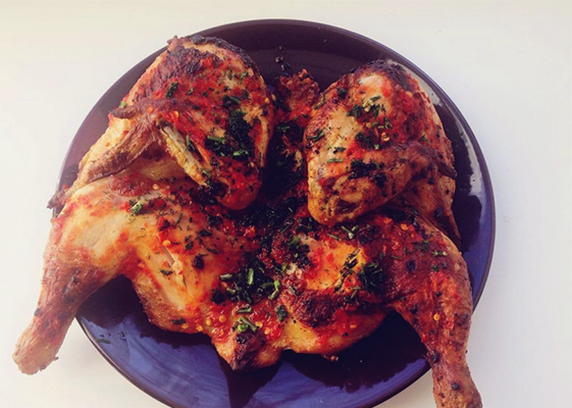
(314, 309)
(199, 39)
(248, 344)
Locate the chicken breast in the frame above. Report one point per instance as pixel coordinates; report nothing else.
(204, 101)
(374, 135)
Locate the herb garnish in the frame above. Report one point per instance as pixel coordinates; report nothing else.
(136, 207)
(318, 134)
(350, 231)
(371, 276)
(245, 310)
(243, 324)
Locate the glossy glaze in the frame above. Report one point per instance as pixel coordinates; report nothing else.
(184, 370)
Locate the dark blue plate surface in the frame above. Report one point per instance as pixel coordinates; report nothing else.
(184, 370)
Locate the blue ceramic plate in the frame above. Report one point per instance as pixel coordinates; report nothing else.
(184, 370)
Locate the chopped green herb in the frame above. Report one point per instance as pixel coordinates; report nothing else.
(386, 123)
(339, 149)
(243, 324)
(166, 272)
(245, 310)
(350, 231)
(226, 277)
(136, 207)
(240, 153)
(250, 276)
(318, 134)
(371, 276)
(335, 160)
(276, 290)
(190, 145)
(216, 139)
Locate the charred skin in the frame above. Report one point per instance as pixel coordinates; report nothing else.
(294, 97)
(375, 134)
(204, 101)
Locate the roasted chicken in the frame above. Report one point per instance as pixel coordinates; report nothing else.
(375, 134)
(280, 274)
(202, 100)
(299, 286)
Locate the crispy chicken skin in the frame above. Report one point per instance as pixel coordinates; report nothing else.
(204, 101)
(373, 135)
(270, 277)
(256, 283)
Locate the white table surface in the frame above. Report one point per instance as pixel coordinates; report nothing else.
(506, 64)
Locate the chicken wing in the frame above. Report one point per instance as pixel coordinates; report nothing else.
(373, 135)
(148, 222)
(204, 101)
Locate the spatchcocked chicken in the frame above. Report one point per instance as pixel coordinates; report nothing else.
(282, 273)
(202, 100)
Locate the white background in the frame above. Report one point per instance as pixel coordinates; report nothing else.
(507, 65)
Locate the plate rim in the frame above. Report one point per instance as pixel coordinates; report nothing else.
(445, 99)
